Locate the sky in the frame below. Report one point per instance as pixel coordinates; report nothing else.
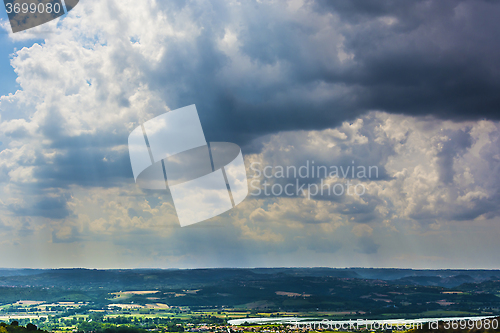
(409, 89)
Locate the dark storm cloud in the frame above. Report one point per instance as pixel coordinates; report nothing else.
(456, 144)
(414, 57)
(438, 58)
(85, 167)
(487, 207)
(86, 159)
(49, 207)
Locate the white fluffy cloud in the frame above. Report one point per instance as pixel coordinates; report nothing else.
(429, 170)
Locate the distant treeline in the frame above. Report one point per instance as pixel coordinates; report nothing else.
(83, 327)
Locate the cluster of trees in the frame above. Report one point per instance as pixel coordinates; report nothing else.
(122, 324)
(14, 327)
(100, 327)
